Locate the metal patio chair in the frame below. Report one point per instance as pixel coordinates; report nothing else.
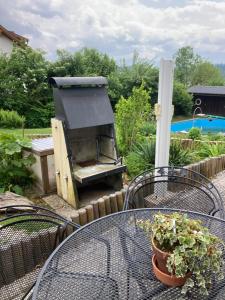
(28, 235)
(174, 187)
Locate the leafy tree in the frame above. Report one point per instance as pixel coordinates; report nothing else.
(125, 78)
(86, 62)
(221, 67)
(186, 62)
(24, 87)
(207, 74)
(131, 114)
(182, 100)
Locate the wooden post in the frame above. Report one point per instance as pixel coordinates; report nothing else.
(113, 203)
(18, 259)
(83, 216)
(107, 205)
(90, 213)
(6, 264)
(119, 198)
(95, 208)
(44, 174)
(75, 217)
(101, 207)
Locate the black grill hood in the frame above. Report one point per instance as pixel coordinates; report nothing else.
(82, 101)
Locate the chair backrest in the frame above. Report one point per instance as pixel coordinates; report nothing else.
(174, 187)
(28, 235)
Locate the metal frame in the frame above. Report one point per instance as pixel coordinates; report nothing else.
(133, 214)
(177, 175)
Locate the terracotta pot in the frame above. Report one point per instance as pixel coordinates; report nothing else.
(169, 280)
(161, 258)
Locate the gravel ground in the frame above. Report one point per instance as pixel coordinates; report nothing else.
(219, 182)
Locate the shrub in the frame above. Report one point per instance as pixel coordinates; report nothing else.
(11, 119)
(148, 129)
(194, 133)
(14, 168)
(178, 155)
(211, 150)
(141, 158)
(131, 114)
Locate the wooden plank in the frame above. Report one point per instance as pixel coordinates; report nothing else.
(65, 186)
(57, 150)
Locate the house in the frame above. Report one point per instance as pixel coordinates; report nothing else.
(210, 99)
(8, 38)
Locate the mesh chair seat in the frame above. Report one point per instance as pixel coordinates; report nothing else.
(28, 234)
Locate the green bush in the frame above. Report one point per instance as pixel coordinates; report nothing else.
(178, 155)
(194, 133)
(211, 150)
(11, 119)
(142, 157)
(215, 137)
(131, 114)
(148, 129)
(14, 168)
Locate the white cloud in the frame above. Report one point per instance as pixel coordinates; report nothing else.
(120, 26)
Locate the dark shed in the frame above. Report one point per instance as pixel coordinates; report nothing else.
(211, 99)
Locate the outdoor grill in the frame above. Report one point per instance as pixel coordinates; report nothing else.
(83, 109)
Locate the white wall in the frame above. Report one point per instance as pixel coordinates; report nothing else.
(6, 44)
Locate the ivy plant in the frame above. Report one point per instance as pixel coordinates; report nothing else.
(191, 246)
(15, 173)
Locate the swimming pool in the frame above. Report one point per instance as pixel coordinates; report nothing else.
(213, 125)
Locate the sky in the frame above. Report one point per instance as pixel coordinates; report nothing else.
(154, 28)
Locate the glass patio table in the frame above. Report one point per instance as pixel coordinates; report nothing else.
(110, 258)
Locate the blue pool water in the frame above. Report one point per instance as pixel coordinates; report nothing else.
(215, 125)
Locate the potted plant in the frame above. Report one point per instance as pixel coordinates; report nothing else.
(185, 252)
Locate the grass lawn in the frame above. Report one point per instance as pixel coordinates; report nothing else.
(27, 131)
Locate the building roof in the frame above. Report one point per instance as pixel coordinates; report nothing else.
(209, 90)
(12, 35)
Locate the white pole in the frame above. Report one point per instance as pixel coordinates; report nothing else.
(164, 112)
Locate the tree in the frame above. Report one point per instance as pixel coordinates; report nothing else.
(186, 62)
(182, 100)
(86, 62)
(24, 87)
(131, 114)
(207, 74)
(125, 78)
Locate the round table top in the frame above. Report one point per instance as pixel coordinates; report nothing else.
(110, 258)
